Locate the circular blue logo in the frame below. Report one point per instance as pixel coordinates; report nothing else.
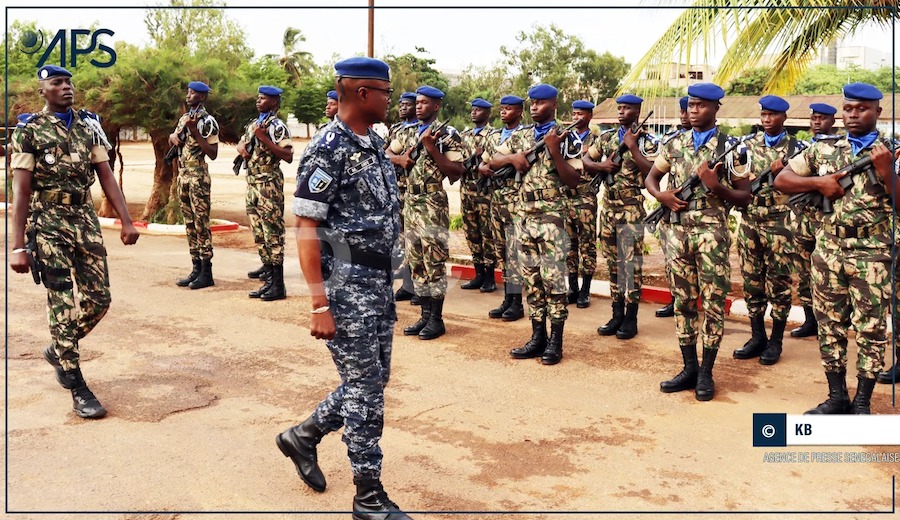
(31, 41)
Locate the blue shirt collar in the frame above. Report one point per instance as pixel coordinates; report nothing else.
(773, 140)
(701, 138)
(541, 130)
(862, 142)
(506, 132)
(66, 117)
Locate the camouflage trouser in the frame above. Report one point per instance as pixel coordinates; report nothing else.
(582, 258)
(476, 217)
(506, 223)
(698, 255)
(70, 244)
(361, 350)
(851, 292)
(664, 244)
(804, 243)
(622, 244)
(428, 241)
(766, 248)
(265, 208)
(544, 249)
(194, 194)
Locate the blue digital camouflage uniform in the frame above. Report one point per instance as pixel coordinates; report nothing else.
(347, 184)
(194, 182)
(62, 214)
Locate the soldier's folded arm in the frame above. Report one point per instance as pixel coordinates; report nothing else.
(738, 196)
(284, 150)
(450, 163)
(667, 198)
(797, 177)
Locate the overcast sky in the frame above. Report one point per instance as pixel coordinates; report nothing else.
(455, 38)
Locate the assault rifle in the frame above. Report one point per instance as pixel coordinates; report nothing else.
(175, 151)
(766, 178)
(416, 150)
(606, 178)
(816, 200)
(249, 146)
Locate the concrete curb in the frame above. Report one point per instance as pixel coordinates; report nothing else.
(216, 226)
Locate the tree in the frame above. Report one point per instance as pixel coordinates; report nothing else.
(828, 80)
(750, 83)
(409, 72)
(295, 62)
(309, 103)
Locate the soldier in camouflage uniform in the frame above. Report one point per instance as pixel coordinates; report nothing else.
(582, 220)
(505, 217)
(346, 185)
(851, 265)
(267, 142)
(700, 241)
(621, 229)
(542, 232)
(475, 206)
(53, 156)
(765, 239)
(806, 223)
(426, 212)
(406, 110)
(197, 136)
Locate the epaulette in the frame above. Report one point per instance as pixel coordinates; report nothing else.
(527, 127)
(495, 131)
(24, 119)
(828, 137)
(87, 114)
(607, 131)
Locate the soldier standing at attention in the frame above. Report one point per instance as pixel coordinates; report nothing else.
(621, 229)
(197, 134)
(582, 259)
(543, 229)
(53, 156)
(331, 104)
(406, 110)
(271, 144)
(476, 207)
(504, 209)
(699, 243)
(851, 265)
(346, 185)
(765, 239)
(426, 213)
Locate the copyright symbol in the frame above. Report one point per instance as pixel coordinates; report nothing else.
(768, 431)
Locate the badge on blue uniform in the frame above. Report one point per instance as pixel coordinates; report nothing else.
(319, 181)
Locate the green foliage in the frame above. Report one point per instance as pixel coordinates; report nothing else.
(198, 32)
(750, 83)
(828, 80)
(803, 135)
(409, 72)
(736, 131)
(456, 222)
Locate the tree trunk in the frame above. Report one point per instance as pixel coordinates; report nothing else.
(106, 209)
(163, 178)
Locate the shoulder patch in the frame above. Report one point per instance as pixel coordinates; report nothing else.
(24, 119)
(319, 181)
(86, 114)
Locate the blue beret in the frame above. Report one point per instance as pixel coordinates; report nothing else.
(683, 103)
(332, 94)
(198, 86)
(707, 91)
(511, 100)
(48, 71)
(629, 99)
(583, 105)
(411, 96)
(862, 92)
(822, 108)
(480, 103)
(431, 92)
(543, 91)
(362, 68)
(773, 103)
(270, 90)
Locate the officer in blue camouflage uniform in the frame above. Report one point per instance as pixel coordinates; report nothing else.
(348, 224)
(270, 143)
(582, 259)
(851, 265)
(197, 135)
(475, 206)
(406, 110)
(53, 156)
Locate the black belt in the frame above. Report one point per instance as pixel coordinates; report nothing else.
(856, 231)
(65, 198)
(353, 254)
(536, 195)
(584, 189)
(422, 190)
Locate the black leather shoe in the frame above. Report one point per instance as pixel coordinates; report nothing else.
(515, 311)
(475, 283)
(83, 401)
(490, 280)
(195, 272)
(758, 339)
(666, 311)
(205, 278)
(299, 444)
(553, 354)
(53, 359)
(810, 326)
(706, 387)
(255, 274)
(687, 378)
(584, 294)
(415, 328)
(402, 295)
(372, 503)
(536, 345)
(276, 290)
(838, 401)
(618, 316)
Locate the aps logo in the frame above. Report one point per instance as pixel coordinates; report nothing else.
(32, 42)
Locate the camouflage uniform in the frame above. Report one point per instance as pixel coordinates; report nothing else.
(265, 190)
(582, 220)
(662, 227)
(505, 218)
(426, 213)
(69, 241)
(347, 183)
(194, 183)
(765, 240)
(699, 244)
(475, 206)
(851, 263)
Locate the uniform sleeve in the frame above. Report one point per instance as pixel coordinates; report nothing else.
(662, 162)
(21, 150)
(99, 154)
(282, 136)
(454, 148)
(573, 149)
(213, 136)
(318, 179)
(802, 164)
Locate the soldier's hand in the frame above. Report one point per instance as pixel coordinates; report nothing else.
(829, 186)
(519, 162)
(191, 123)
(608, 166)
(708, 175)
(777, 166)
(552, 140)
(129, 234)
(173, 139)
(668, 199)
(630, 139)
(259, 131)
(882, 161)
(321, 326)
(19, 262)
(242, 150)
(429, 139)
(405, 161)
(485, 170)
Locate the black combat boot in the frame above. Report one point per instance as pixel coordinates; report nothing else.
(83, 401)
(490, 279)
(516, 310)
(507, 301)
(553, 354)
(584, 294)
(415, 301)
(687, 378)
(299, 444)
(618, 316)
(628, 329)
(892, 374)
(415, 328)
(572, 294)
(475, 283)
(276, 291)
(772, 354)
(195, 272)
(435, 326)
(838, 401)
(758, 340)
(864, 389)
(402, 295)
(257, 273)
(53, 359)
(810, 327)
(266, 277)
(372, 503)
(536, 345)
(205, 279)
(667, 311)
(706, 387)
